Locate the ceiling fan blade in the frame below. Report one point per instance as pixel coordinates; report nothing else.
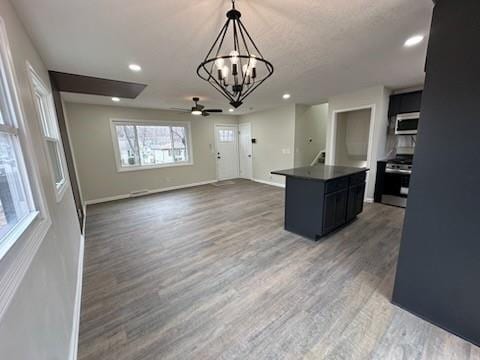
(205, 113)
(214, 110)
(200, 107)
(182, 110)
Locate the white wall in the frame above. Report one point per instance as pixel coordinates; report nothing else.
(352, 136)
(310, 132)
(274, 131)
(90, 134)
(38, 321)
(378, 98)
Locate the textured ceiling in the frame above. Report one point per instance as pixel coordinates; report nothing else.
(319, 48)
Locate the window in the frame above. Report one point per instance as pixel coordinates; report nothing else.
(17, 209)
(226, 136)
(46, 113)
(144, 144)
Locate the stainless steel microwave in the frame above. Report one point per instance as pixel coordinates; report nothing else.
(407, 124)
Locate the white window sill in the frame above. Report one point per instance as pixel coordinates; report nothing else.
(16, 233)
(153, 167)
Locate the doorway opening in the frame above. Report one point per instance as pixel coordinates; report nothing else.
(352, 138)
(353, 131)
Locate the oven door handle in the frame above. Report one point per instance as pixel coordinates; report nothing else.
(398, 171)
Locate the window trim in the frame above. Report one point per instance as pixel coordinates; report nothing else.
(36, 83)
(17, 256)
(133, 122)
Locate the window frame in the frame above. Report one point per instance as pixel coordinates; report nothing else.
(45, 110)
(130, 122)
(19, 245)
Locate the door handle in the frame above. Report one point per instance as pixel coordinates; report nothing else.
(249, 156)
(218, 157)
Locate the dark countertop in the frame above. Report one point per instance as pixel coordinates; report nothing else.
(320, 172)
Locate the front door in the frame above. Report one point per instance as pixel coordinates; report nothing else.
(245, 151)
(226, 141)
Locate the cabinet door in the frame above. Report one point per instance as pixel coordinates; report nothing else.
(355, 201)
(335, 212)
(405, 103)
(411, 102)
(329, 212)
(394, 106)
(341, 208)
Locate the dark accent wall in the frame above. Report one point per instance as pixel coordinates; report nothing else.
(95, 86)
(438, 274)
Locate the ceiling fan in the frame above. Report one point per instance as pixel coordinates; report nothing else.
(199, 109)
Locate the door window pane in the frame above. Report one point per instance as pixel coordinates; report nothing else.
(13, 200)
(127, 145)
(226, 136)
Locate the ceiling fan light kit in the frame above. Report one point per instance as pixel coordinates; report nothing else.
(238, 69)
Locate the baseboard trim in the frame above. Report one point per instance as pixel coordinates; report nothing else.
(127, 196)
(369, 200)
(78, 303)
(269, 183)
(84, 218)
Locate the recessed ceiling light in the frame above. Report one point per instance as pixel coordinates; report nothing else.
(135, 67)
(414, 40)
(231, 110)
(115, 99)
(286, 96)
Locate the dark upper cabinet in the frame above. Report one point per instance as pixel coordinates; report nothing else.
(411, 102)
(405, 103)
(394, 106)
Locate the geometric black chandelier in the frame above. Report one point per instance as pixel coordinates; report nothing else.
(234, 66)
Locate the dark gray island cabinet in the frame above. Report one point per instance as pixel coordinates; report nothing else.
(320, 199)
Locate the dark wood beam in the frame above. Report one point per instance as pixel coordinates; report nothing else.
(95, 86)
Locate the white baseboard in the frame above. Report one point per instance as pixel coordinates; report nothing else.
(84, 218)
(149, 192)
(78, 302)
(369, 200)
(269, 183)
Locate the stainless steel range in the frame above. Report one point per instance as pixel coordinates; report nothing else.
(397, 181)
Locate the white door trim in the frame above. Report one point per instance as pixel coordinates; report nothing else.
(251, 153)
(237, 162)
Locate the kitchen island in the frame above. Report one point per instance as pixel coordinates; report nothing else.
(321, 199)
